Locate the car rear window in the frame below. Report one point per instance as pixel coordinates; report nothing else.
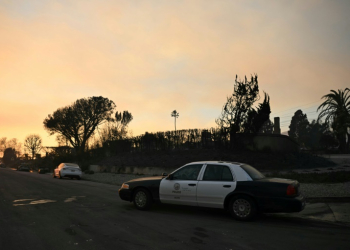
(252, 172)
(72, 166)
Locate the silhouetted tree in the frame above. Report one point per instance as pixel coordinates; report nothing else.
(236, 108)
(257, 118)
(9, 156)
(336, 109)
(267, 127)
(33, 144)
(316, 130)
(328, 141)
(248, 125)
(13, 143)
(116, 129)
(2, 144)
(122, 121)
(298, 128)
(62, 141)
(78, 121)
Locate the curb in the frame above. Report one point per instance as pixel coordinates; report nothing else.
(311, 219)
(327, 199)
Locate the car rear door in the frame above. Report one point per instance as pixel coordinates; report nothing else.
(181, 186)
(217, 182)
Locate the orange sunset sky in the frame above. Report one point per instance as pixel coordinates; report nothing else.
(151, 57)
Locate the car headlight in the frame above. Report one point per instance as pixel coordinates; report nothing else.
(125, 186)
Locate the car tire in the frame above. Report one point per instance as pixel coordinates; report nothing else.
(142, 199)
(243, 208)
(78, 178)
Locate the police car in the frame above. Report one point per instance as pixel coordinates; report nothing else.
(236, 187)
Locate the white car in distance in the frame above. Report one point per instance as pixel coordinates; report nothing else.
(70, 170)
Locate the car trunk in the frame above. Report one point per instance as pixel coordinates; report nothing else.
(280, 183)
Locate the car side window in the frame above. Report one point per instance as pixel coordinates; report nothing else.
(189, 172)
(226, 174)
(217, 173)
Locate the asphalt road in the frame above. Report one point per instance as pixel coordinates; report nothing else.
(39, 212)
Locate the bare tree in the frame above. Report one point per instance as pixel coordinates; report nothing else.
(122, 121)
(116, 129)
(2, 144)
(13, 143)
(33, 144)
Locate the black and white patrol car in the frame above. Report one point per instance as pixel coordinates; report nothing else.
(234, 186)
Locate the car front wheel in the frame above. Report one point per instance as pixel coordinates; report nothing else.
(142, 199)
(243, 208)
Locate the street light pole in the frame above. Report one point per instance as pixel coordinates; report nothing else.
(175, 114)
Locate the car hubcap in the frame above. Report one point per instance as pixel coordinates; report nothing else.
(241, 208)
(140, 199)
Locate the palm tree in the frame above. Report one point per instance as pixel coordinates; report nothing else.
(336, 109)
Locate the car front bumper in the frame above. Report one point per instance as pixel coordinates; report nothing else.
(125, 194)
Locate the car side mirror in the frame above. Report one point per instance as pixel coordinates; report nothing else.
(170, 177)
(164, 174)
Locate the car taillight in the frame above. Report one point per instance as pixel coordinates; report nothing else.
(291, 190)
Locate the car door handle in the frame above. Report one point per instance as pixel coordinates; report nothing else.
(192, 185)
(227, 186)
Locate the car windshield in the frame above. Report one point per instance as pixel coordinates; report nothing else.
(252, 172)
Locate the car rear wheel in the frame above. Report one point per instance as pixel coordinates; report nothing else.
(142, 199)
(243, 208)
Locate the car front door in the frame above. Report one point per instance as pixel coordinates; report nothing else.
(217, 182)
(180, 187)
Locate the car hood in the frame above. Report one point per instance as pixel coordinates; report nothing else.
(153, 178)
